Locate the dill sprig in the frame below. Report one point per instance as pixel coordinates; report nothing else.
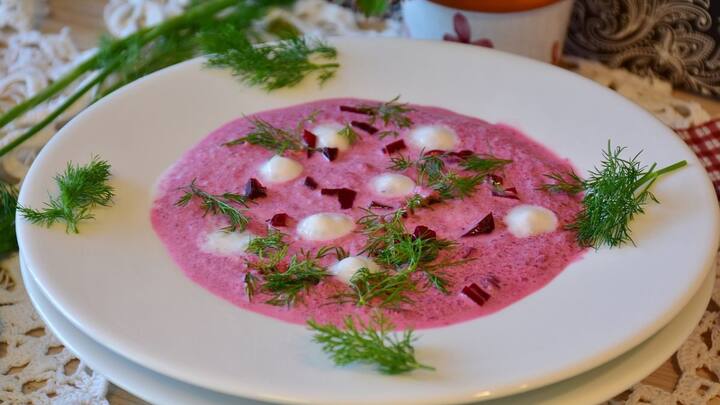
(614, 194)
(270, 250)
(433, 172)
(272, 65)
(349, 133)
(391, 112)
(371, 343)
(272, 138)
(483, 164)
(391, 245)
(80, 189)
(218, 204)
(386, 288)
(302, 272)
(8, 205)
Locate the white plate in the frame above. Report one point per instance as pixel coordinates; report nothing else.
(593, 386)
(116, 282)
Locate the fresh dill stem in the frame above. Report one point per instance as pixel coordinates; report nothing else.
(8, 205)
(432, 172)
(273, 65)
(250, 285)
(386, 288)
(81, 188)
(270, 250)
(371, 343)
(399, 162)
(269, 137)
(178, 38)
(389, 112)
(272, 138)
(614, 194)
(569, 183)
(483, 165)
(218, 204)
(302, 272)
(400, 254)
(452, 185)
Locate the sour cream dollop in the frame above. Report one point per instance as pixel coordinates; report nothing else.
(392, 185)
(226, 243)
(329, 136)
(434, 137)
(280, 169)
(530, 220)
(325, 226)
(347, 267)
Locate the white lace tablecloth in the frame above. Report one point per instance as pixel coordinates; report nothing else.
(35, 367)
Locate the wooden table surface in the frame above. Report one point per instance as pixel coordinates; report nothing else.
(85, 19)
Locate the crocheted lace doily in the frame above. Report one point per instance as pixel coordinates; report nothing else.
(35, 368)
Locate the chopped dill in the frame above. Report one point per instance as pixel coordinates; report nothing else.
(432, 172)
(302, 272)
(218, 204)
(272, 138)
(270, 250)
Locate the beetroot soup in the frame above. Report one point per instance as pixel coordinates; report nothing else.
(440, 209)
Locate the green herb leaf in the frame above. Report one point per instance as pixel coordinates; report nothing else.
(386, 287)
(272, 65)
(301, 274)
(614, 194)
(372, 7)
(218, 204)
(349, 133)
(374, 343)
(272, 138)
(8, 205)
(270, 250)
(81, 188)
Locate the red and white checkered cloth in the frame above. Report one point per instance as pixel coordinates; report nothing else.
(705, 142)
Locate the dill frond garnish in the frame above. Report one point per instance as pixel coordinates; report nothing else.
(302, 272)
(371, 343)
(218, 204)
(349, 133)
(614, 194)
(389, 243)
(391, 112)
(432, 172)
(483, 164)
(272, 138)
(270, 250)
(8, 205)
(388, 287)
(271, 65)
(80, 189)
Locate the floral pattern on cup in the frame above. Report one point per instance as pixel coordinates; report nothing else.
(463, 34)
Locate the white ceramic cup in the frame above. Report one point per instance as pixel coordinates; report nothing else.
(538, 33)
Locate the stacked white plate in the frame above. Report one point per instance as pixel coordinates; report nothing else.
(114, 296)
